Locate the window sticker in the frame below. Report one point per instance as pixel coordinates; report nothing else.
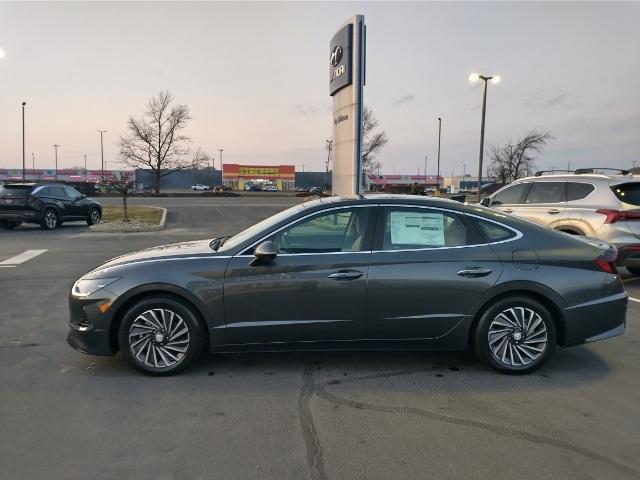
(417, 228)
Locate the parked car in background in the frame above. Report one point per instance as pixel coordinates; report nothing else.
(270, 188)
(200, 187)
(315, 190)
(582, 203)
(45, 204)
(373, 272)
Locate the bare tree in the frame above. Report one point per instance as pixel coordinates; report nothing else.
(156, 140)
(373, 140)
(512, 161)
(123, 185)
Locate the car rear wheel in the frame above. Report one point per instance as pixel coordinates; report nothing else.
(515, 335)
(94, 216)
(50, 219)
(160, 336)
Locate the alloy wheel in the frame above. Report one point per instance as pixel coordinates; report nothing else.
(95, 216)
(51, 219)
(159, 338)
(517, 336)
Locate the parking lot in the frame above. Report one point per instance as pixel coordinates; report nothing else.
(374, 415)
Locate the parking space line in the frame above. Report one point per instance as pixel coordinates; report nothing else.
(634, 299)
(23, 257)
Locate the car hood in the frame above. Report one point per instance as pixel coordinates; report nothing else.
(172, 250)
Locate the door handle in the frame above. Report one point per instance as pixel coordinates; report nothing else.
(507, 210)
(553, 211)
(346, 275)
(474, 272)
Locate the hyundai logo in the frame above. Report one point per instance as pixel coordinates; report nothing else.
(336, 56)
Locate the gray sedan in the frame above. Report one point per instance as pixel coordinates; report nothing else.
(376, 272)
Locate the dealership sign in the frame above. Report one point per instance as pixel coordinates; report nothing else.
(346, 82)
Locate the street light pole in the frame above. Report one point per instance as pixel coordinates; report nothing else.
(329, 144)
(24, 167)
(56, 149)
(474, 77)
(33, 166)
(85, 167)
(425, 173)
(221, 167)
(102, 155)
(439, 136)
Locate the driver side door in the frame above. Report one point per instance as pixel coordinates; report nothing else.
(315, 287)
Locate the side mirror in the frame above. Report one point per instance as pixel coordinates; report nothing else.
(486, 202)
(264, 252)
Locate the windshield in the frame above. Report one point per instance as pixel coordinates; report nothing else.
(628, 192)
(265, 224)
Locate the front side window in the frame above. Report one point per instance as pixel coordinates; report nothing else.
(57, 192)
(71, 193)
(511, 195)
(342, 230)
(547, 192)
(416, 228)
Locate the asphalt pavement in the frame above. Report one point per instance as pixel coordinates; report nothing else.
(373, 415)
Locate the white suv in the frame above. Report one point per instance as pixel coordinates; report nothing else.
(582, 203)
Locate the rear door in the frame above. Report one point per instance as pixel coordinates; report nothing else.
(429, 269)
(545, 203)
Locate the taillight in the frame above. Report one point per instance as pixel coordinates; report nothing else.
(606, 260)
(615, 215)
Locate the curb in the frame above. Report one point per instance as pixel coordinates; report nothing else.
(100, 227)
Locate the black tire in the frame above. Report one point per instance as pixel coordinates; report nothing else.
(516, 344)
(50, 219)
(153, 336)
(635, 271)
(95, 215)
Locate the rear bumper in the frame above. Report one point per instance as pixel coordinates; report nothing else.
(19, 215)
(595, 320)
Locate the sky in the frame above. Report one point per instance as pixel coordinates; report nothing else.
(255, 76)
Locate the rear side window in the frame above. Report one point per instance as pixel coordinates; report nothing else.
(628, 192)
(547, 192)
(494, 232)
(510, 195)
(14, 191)
(407, 228)
(578, 191)
(57, 192)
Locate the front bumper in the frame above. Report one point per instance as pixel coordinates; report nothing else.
(90, 328)
(595, 320)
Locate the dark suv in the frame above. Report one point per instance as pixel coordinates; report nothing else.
(45, 204)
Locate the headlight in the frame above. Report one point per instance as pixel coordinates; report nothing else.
(83, 287)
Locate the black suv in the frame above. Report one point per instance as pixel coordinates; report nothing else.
(47, 204)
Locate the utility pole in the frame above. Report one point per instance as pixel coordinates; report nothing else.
(33, 166)
(221, 167)
(329, 144)
(85, 167)
(102, 154)
(439, 137)
(474, 77)
(425, 172)
(24, 167)
(56, 149)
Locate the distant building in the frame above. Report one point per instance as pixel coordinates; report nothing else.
(235, 176)
(63, 175)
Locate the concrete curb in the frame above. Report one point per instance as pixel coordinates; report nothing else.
(102, 228)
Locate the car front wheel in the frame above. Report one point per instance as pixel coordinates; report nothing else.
(94, 217)
(160, 336)
(515, 335)
(50, 219)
